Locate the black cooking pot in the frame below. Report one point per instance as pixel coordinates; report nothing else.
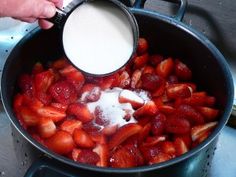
(167, 36)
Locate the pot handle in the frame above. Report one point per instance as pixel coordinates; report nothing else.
(48, 167)
(179, 15)
(232, 119)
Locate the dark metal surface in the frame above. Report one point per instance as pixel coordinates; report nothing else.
(214, 18)
(13, 162)
(16, 154)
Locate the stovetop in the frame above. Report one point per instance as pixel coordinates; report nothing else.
(215, 19)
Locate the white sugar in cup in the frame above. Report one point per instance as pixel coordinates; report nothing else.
(100, 37)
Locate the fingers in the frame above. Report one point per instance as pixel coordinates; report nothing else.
(44, 24)
(58, 3)
(45, 10)
(28, 19)
(48, 13)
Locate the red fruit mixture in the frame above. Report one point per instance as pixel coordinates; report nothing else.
(158, 114)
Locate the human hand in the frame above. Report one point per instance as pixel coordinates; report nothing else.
(30, 10)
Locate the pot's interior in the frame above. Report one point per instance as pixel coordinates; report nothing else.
(165, 37)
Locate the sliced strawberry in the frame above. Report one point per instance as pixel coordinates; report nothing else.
(153, 141)
(197, 99)
(25, 83)
(90, 93)
(87, 87)
(92, 128)
(144, 120)
(191, 114)
(122, 158)
(202, 137)
(116, 79)
(148, 69)
(150, 152)
(133, 140)
(151, 82)
(43, 81)
(99, 117)
(200, 94)
(198, 130)
(29, 101)
(127, 96)
(109, 130)
(160, 157)
(144, 132)
(38, 68)
(60, 64)
(59, 106)
(134, 150)
(192, 86)
(45, 98)
(70, 125)
(68, 69)
(29, 117)
(180, 146)
(92, 80)
(165, 68)
(168, 148)
(182, 71)
(135, 78)
(158, 124)
(61, 142)
(175, 91)
(165, 98)
(98, 138)
(35, 104)
(81, 112)
(128, 114)
(177, 125)
(160, 91)
(125, 79)
(38, 138)
(76, 78)
(154, 60)
(109, 81)
(18, 102)
(166, 109)
(63, 92)
(142, 46)
(46, 127)
(210, 114)
(123, 133)
(158, 101)
(148, 109)
(88, 157)
(140, 61)
(103, 152)
(53, 113)
(186, 138)
(75, 154)
(210, 101)
(82, 139)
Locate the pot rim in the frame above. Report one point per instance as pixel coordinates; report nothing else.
(222, 122)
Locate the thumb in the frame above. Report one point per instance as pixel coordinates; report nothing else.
(47, 11)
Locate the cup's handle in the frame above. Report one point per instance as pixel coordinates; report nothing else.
(61, 14)
(59, 18)
(179, 15)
